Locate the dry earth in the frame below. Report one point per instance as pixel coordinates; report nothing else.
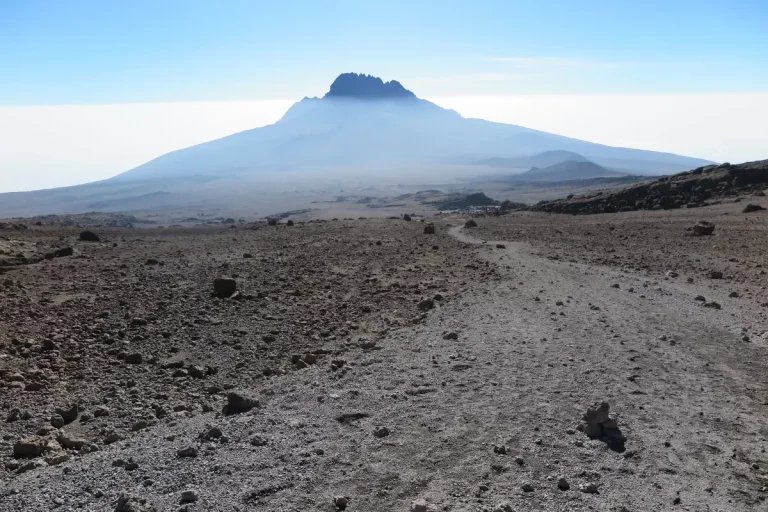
(471, 405)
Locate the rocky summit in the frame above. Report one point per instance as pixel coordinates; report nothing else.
(367, 87)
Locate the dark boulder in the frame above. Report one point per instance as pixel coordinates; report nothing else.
(237, 403)
(224, 287)
(89, 236)
(64, 251)
(703, 228)
(752, 208)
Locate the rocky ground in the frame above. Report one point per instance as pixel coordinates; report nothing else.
(364, 365)
(699, 187)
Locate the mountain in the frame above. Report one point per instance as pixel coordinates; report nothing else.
(364, 121)
(569, 170)
(363, 131)
(544, 159)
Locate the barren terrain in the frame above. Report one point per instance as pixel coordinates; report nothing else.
(393, 369)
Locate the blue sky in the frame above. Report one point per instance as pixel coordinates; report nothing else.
(89, 89)
(86, 52)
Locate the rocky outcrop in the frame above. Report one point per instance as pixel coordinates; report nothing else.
(367, 87)
(690, 189)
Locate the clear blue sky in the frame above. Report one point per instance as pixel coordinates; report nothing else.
(114, 51)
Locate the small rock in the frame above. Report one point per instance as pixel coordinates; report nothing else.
(57, 421)
(527, 487)
(752, 208)
(258, 441)
(30, 447)
(139, 425)
(703, 228)
(419, 505)
(189, 496)
(188, 452)
(71, 442)
(64, 251)
(134, 358)
(126, 503)
(224, 287)
(589, 488)
(212, 433)
(89, 236)
(237, 403)
(426, 304)
(380, 432)
(341, 502)
(470, 223)
(101, 411)
(563, 484)
(112, 437)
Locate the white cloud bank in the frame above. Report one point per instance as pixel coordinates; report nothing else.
(52, 146)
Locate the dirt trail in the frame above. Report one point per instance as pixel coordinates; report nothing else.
(678, 373)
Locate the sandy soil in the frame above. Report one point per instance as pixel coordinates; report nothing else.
(534, 318)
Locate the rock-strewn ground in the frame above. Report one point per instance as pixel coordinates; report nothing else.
(703, 186)
(393, 370)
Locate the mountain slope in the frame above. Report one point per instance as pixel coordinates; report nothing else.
(363, 120)
(544, 159)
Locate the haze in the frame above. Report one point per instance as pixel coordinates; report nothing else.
(93, 142)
